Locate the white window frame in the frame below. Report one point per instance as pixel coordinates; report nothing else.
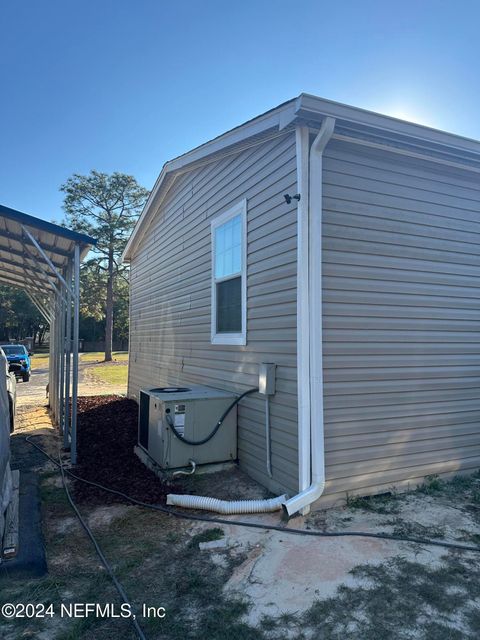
(239, 338)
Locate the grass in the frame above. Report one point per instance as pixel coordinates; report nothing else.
(109, 373)
(157, 560)
(399, 599)
(461, 485)
(384, 503)
(99, 356)
(207, 536)
(114, 375)
(466, 487)
(40, 361)
(416, 530)
(159, 564)
(402, 599)
(432, 485)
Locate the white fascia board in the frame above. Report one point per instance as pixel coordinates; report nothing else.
(270, 120)
(126, 255)
(244, 131)
(311, 106)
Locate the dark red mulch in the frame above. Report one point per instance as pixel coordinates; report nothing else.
(107, 434)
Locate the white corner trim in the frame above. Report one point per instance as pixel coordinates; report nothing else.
(302, 501)
(240, 338)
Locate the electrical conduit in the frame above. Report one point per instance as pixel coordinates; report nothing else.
(226, 507)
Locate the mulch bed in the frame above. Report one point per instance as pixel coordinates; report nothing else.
(107, 434)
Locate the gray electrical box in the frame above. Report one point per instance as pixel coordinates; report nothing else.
(266, 378)
(194, 411)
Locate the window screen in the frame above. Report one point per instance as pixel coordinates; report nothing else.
(229, 306)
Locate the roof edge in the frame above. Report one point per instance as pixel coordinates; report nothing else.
(304, 108)
(278, 117)
(316, 107)
(49, 227)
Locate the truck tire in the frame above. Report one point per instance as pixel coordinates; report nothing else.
(12, 416)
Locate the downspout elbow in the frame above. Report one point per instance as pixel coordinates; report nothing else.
(323, 137)
(304, 499)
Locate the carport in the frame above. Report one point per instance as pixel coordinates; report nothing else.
(44, 259)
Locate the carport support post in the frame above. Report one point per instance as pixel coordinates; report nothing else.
(56, 355)
(62, 365)
(76, 308)
(53, 339)
(68, 352)
(50, 353)
(58, 358)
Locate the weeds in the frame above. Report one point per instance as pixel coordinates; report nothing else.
(402, 528)
(401, 599)
(159, 564)
(208, 535)
(460, 485)
(431, 485)
(384, 503)
(469, 536)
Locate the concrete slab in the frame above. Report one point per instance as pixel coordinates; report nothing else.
(285, 573)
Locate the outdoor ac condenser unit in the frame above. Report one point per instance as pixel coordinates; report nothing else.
(194, 411)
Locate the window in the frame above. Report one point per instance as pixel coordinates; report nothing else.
(229, 282)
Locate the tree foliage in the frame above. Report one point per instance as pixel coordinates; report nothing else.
(105, 207)
(19, 317)
(93, 283)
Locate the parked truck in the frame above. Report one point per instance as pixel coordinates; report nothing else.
(5, 426)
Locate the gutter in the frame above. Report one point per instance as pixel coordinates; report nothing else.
(309, 320)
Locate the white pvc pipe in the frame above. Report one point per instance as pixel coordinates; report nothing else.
(226, 507)
(304, 499)
(267, 436)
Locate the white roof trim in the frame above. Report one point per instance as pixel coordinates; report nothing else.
(313, 105)
(269, 120)
(305, 107)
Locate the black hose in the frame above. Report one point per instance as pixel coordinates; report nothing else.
(141, 635)
(256, 525)
(196, 443)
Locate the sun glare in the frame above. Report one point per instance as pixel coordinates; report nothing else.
(408, 114)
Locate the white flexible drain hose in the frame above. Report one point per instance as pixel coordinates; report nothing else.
(225, 506)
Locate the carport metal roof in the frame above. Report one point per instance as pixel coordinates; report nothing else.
(43, 259)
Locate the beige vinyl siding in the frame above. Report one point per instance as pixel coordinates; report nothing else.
(401, 313)
(171, 297)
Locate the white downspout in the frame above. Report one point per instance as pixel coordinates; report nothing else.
(310, 370)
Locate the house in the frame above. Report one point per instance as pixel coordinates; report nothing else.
(343, 246)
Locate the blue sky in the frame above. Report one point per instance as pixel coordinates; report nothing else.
(124, 85)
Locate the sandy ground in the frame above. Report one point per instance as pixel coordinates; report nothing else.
(286, 573)
(281, 573)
